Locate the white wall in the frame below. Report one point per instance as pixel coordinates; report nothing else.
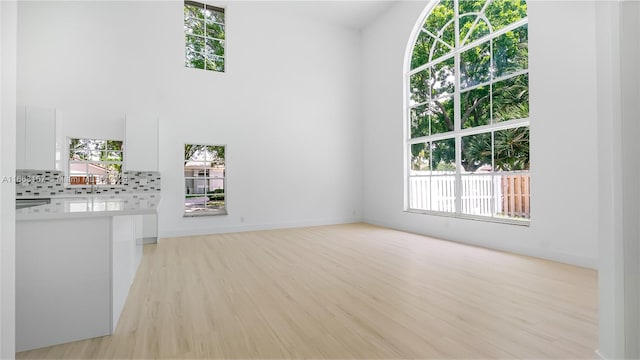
(610, 251)
(630, 109)
(618, 43)
(563, 136)
(287, 107)
(8, 53)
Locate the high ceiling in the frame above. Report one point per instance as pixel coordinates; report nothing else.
(351, 13)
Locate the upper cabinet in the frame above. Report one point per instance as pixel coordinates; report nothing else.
(39, 144)
(141, 142)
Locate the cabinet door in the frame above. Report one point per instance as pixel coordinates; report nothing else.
(63, 281)
(141, 143)
(124, 264)
(36, 138)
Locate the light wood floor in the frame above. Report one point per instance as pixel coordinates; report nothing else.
(346, 291)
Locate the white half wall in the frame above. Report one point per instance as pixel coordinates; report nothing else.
(288, 106)
(564, 181)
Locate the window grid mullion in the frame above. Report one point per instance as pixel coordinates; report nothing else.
(496, 80)
(458, 139)
(493, 144)
(493, 172)
(206, 37)
(407, 132)
(456, 111)
(510, 124)
(477, 20)
(466, 47)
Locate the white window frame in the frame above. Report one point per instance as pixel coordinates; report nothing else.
(87, 163)
(458, 133)
(206, 38)
(207, 178)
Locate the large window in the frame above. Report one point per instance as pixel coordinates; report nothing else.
(95, 161)
(204, 36)
(467, 135)
(204, 180)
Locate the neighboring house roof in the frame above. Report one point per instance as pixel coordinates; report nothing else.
(81, 168)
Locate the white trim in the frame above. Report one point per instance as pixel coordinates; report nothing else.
(464, 48)
(458, 132)
(473, 87)
(514, 247)
(211, 212)
(503, 125)
(69, 161)
(496, 80)
(599, 355)
(610, 171)
(475, 22)
(461, 215)
(406, 131)
(457, 117)
(256, 227)
(205, 37)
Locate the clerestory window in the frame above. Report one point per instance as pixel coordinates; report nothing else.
(204, 36)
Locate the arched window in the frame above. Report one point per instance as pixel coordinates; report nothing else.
(467, 111)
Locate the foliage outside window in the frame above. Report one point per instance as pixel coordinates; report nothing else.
(95, 162)
(467, 135)
(204, 36)
(204, 179)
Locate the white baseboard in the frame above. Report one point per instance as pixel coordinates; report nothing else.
(149, 240)
(254, 227)
(538, 253)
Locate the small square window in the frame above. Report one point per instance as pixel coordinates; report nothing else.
(95, 161)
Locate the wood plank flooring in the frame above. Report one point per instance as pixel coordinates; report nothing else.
(345, 291)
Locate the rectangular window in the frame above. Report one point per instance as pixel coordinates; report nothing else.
(95, 161)
(204, 36)
(204, 180)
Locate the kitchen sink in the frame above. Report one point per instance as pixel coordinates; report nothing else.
(25, 203)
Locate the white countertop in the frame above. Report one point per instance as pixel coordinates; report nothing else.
(92, 206)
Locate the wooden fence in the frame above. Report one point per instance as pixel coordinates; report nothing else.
(516, 195)
(486, 195)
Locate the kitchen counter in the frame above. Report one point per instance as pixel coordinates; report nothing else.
(91, 206)
(76, 258)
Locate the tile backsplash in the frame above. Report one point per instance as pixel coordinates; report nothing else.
(51, 183)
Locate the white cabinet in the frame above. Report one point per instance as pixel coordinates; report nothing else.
(63, 281)
(126, 254)
(141, 150)
(141, 143)
(73, 277)
(38, 139)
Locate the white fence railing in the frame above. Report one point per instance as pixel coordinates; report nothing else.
(485, 195)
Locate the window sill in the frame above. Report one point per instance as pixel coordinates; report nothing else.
(100, 186)
(507, 221)
(208, 213)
